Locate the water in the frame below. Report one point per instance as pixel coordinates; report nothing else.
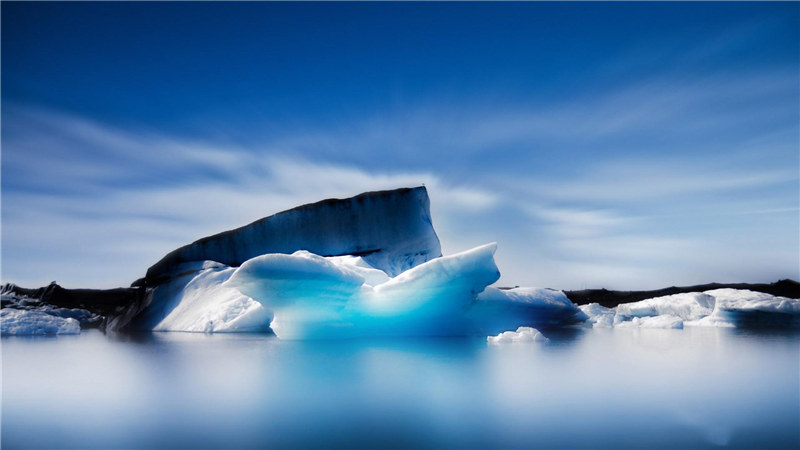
(693, 388)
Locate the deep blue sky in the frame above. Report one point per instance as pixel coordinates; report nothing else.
(622, 145)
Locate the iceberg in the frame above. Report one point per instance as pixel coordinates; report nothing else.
(316, 297)
(391, 230)
(16, 322)
(376, 235)
(523, 334)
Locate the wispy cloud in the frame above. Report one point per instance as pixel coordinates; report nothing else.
(668, 180)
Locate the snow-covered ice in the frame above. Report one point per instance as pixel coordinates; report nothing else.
(523, 334)
(661, 321)
(198, 301)
(717, 308)
(746, 300)
(15, 322)
(598, 315)
(745, 308)
(688, 306)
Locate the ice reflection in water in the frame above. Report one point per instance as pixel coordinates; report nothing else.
(585, 388)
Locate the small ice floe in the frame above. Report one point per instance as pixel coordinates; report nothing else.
(523, 334)
(599, 315)
(15, 322)
(668, 321)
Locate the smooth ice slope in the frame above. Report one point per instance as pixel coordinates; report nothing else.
(15, 322)
(391, 230)
(316, 297)
(497, 310)
(196, 300)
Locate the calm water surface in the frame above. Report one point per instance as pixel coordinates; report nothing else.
(693, 388)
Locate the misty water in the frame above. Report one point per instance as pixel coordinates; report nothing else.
(587, 388)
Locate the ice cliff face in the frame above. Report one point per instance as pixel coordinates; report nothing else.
(391, 230)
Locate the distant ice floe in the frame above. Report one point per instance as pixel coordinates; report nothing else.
(598, 315)
(716, 308)
(22, 315)
(16, 322)
(688, 306)
(523, 334)
(664, 321)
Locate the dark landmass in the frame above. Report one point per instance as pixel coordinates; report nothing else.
(106, 302)
(94, 308)
(610, 299)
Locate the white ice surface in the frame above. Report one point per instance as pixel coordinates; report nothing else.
(688, 306)
(506, 309)
(372, 276)
(14, 322)
(745, 300)
(662, 321)
(599, 315)
(715, 308)
(741, 307)
(198, 301)
(316, 297)
(523, 334)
